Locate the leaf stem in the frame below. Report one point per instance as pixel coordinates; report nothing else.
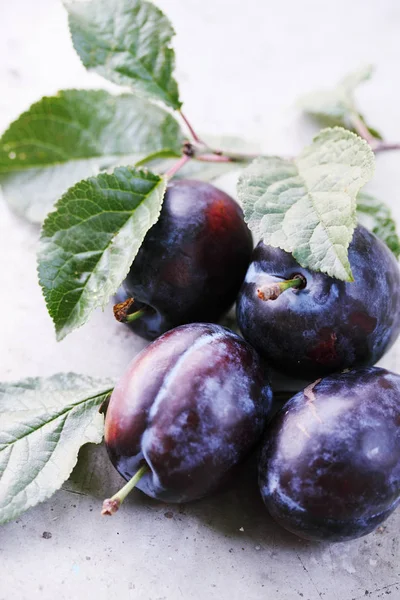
(177, 166)
(272, 291)
(362, 129)
(220, 158)
(203, 152)
(111, 505)
(237, 156)
(191, 130)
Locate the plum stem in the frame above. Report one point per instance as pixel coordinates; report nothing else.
(135, 315)
(272, 291)
(111, 505)
(121, 311)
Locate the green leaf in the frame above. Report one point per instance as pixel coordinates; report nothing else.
(127, 42)
(44, 422)
(371, 130)
(308, 206)
(74, 135)
(89, 242)
(376, 216)
(337, 106)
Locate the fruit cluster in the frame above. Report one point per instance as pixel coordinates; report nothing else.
(198, 400)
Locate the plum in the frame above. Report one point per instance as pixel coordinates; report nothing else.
(188, 409)
(309, 324)
(191, 264)
(330, 464)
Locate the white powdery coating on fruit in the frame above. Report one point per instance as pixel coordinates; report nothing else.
(375, 445)
(273, 487)
(300, 430)
(215, 406)
(255, 274)
(219, 391)
(223, 401)
(203, 340)
(356, 427)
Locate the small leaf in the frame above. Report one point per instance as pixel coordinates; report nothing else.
(44, 422)
(127, 42)
(376, 216)
(89, 242)
(307, 206)
(371, 130)
(74, 135)
(337, 106)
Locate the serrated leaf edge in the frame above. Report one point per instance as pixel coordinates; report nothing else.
(62, 332)
(172, 104)
(365, 180)
(370, 163)
(101, 397)
(60, 94)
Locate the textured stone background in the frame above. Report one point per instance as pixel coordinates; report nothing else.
(241, 67)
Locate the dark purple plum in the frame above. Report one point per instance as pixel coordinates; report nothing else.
(330, 464)
(192, 262)
(328, 325)
(190, 406)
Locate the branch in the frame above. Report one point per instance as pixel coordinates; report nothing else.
(200, 150)
(381, 146)
(376, 145)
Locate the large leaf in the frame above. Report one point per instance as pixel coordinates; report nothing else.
(337, 106)
(89, 242)
(127, 42)
(44, 422)
(376, 216)
(308, 206)
(73, 135)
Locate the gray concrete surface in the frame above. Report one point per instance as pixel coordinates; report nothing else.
(241, 67)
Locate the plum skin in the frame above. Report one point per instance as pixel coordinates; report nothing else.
(330, 324)
(191, 405)
(192, 261)
(330, 465)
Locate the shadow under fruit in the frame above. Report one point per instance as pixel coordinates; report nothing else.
(190, 407)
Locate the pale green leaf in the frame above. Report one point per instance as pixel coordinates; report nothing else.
(308, 206)
(336, 102)
(376, 216)
(44, 422)
(337, 106)
(89, 242)
(74, 135)
(127, 42)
